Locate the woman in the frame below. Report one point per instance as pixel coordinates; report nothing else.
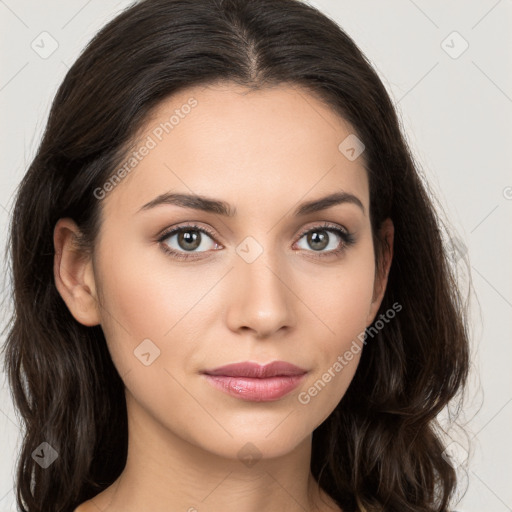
(230, 285)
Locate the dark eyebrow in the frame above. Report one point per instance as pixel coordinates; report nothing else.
(192, 201)
(326, 202)
(207, 204)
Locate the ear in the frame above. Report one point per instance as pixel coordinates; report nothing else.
(386, 235)
(74, 275)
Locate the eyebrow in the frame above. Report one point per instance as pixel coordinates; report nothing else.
(219, 207)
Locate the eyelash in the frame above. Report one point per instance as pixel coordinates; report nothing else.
(348, 239)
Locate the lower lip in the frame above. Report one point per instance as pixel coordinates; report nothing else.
(256, 390)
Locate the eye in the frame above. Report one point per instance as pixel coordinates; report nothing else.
(327, 236)
(187, 239)
(183, 242)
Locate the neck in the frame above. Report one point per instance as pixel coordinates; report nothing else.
(165, 472)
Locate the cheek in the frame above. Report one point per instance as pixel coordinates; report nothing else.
(145, 292)
(146, 319)
(341, 310)
(142, 299)
(148, 297)
(341, 300)
(337, 348)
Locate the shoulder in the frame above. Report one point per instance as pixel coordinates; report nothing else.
(99, 502)
(84, 507)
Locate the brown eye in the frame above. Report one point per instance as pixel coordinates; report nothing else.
(318, 239)
(185, 239)
(189, 240)
(326, 239)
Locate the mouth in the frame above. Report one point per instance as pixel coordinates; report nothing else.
(253, 382)
(257, 371)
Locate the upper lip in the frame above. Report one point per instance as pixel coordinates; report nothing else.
(255, 370)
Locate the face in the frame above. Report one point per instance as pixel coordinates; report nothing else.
(266, 283)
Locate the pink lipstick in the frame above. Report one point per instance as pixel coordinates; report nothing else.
(254, 382)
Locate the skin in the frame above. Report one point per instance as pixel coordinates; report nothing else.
(264, 153)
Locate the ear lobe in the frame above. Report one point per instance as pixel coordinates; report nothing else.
(386, 234)
(74, 275)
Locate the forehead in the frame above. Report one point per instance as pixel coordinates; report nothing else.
(252, 146)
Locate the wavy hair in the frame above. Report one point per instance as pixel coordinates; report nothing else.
(381, 448)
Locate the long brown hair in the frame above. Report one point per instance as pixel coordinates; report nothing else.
(380, 448)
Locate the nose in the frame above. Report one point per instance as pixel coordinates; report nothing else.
(261, 300)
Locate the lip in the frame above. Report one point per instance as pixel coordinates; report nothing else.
(254, 382)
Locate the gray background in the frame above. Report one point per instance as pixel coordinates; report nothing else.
(456, 111)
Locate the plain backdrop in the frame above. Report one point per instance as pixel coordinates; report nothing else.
(447, 66)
